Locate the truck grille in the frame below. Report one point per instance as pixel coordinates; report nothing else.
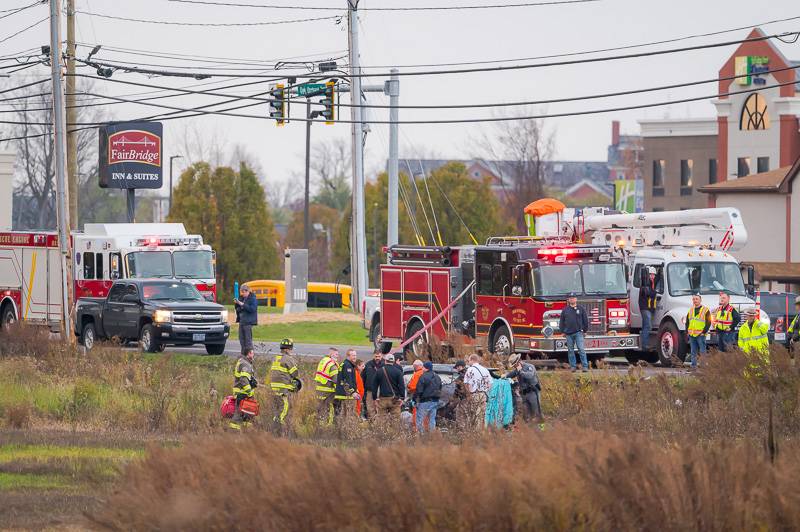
(596, 312)
(197, 318)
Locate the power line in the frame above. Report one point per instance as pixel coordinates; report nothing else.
(9, 12)
(499, 68)
(23, 30)
(208, 24)
(408, 8)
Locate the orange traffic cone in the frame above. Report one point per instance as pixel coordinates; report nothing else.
(758, 304)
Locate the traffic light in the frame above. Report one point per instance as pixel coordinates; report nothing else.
(277, 104)
(328, 111)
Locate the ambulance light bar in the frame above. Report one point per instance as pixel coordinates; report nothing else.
(153, 241)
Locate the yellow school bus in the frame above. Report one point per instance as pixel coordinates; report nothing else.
(272, 293)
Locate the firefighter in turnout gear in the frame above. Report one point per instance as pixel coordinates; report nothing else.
(346, 389)
(283, 381)
(698, 322)
(244, 387)
(326, 378)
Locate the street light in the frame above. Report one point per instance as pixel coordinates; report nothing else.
(170, 179)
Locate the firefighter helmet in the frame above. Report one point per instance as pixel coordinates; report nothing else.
(287, 343)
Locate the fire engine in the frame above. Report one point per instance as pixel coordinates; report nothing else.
(30, 272)
(513, 289)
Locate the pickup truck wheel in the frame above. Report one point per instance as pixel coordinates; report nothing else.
(375, 333)
(671, 348)
(215, 349)
(88, 336)
(147, 339)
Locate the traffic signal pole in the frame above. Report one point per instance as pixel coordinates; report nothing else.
(60, 150)
(358, 255)
(306, 214)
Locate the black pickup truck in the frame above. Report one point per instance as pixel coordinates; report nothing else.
(156, 312)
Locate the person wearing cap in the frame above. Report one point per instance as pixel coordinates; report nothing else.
(529, 386)
(426, 396)
(326, 377)
(753, 334)
(647, 305)
(389, 389)
(793, 336)
(346, 387)
(368, 374)
(726, 318)
(698, 322)
(283, 381)
(574, 323)
(247, 316)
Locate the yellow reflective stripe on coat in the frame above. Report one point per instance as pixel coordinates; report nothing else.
(794, 324)
(281, 386)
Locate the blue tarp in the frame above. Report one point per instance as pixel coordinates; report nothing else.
(500, 404)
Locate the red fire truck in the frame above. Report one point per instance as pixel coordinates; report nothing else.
(30, 267)
(520, 286)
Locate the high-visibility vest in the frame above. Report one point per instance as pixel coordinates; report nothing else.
(793, 326)
(696, 322)
(327, 371)
(724, 318)
(282, 376)
(754, 337)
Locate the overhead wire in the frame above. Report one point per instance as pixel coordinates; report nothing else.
(10, 12)
(208, 24)
(413, 180)
(391, 8)
(23, 30)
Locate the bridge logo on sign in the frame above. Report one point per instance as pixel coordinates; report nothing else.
(134, 146)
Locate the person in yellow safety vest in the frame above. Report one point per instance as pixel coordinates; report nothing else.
(283, 381)
(346, 390)
(793, 336)
(753, 340)
(244, 387)
(326, 377)
(726, 318)
(698, 322)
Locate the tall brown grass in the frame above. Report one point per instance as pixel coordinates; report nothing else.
(562, 479)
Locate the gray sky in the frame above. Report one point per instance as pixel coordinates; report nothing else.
(403, 38)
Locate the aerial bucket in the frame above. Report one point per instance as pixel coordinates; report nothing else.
(545, 214)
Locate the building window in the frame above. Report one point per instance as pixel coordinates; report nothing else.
(712, 171)
(686, 177)
(762, 164)
(743, 166)
(754, 113)
(658, 177)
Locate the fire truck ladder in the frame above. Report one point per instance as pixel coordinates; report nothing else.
(420, 255)
(535, 240)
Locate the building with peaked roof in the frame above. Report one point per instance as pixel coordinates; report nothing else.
(590, 193)
(770, 210)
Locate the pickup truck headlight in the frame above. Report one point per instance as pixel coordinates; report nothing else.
(162, 316)
(224, 316)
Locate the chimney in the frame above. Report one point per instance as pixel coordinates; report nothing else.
(615, 132)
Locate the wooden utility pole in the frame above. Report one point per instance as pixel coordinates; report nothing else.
(72, 144)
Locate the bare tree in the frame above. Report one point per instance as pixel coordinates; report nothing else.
(518, 151)
(35, 170)
(203, 144)
(330, 168)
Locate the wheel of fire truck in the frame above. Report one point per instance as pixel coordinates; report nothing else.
(375, 334)
(147, 340)
(88, 336)
(419, 347)
(671, 350)
(8, 316)
(501, 342)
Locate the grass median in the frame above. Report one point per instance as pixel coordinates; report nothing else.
(338, 333)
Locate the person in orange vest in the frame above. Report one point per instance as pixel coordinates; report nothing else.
(360, 405)
(726, 318)
(698, 322)
(412, 387)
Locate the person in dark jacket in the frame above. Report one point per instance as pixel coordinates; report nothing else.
(574, 323)
(389, 388)
(247, 316)
(529, 387)
(647, 305)
(724, 320)
(346, 389)
(426, 396)
(371, 369)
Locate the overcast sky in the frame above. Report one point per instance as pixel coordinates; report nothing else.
(410, 38)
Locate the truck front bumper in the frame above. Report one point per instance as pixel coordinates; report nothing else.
(592, 344)
(172, 333)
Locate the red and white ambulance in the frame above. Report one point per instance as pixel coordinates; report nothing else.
(30, 271)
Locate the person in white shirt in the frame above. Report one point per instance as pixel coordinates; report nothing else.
(478, 381)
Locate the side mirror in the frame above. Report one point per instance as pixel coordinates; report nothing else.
(751, 275)
(517, 279)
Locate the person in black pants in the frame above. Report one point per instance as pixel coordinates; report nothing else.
(246, 316)
(574, 323)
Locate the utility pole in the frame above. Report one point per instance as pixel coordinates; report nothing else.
(392, 89)
(72, 139)
(306, 205)
(59, 148)
(358, 256)
(172, 158)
